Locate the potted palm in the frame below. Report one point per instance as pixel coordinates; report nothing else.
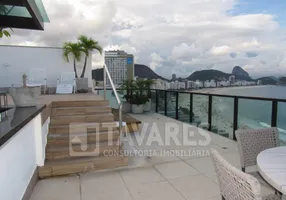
(88, 45)
(77, 50)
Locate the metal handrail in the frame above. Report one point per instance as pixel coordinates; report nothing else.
(106, 72)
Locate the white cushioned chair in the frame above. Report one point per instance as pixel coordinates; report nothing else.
(37, 77)
(66, 84)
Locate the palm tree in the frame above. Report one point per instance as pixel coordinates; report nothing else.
(75, 49)
(88, 44)
(4, 11)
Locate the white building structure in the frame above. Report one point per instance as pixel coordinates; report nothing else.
(191, 84)
(231, 79)
(18, 60)
(176, 85)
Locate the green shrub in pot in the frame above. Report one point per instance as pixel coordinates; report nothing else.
(127, 88)
(147, 87)
(138, 102)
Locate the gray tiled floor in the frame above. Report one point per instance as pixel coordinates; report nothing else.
(186, 177)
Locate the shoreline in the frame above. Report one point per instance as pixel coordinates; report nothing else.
(216, 89)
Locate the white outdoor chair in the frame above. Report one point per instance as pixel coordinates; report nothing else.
(67, 83)
(235, 184)
(251, 142)
(37, 77)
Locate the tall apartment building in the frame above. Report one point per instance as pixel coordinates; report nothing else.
(120, 65)
(231, 79)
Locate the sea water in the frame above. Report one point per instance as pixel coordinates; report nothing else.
(256, 113)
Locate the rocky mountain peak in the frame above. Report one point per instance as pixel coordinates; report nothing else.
(238, 71)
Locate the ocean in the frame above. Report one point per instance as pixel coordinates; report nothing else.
(265, 91)
(251, 113)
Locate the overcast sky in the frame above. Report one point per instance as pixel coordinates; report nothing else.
(173, 36)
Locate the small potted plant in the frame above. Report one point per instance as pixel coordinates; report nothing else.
(138, 96)
(138, 102)
(147, 87)
(127, 89)
(25, 96)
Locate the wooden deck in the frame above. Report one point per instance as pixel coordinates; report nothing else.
(132, 123)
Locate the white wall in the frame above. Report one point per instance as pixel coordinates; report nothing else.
(17, 60)
(19, 158)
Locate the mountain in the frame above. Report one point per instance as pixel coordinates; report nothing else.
(282, 81)
(209, 74)
(240, 74)
(141, 71)
(217, 75)
(267, 80)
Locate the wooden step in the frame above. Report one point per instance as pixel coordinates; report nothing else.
(82, 128)
(64, 139)
(85, 103)
(79, 165)
(54, 152)
(70, 111)
(66, 120)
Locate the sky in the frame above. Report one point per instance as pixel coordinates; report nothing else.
(173, 37)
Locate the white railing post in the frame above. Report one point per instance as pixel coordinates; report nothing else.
(104, 82)
(106, 73)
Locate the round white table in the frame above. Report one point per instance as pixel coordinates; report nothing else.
(271, 164)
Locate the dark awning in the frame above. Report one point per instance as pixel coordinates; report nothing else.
(26, 14)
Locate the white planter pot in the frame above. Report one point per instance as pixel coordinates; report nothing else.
(137, 109)
(147, 106)
(126, 107)
(25, 96)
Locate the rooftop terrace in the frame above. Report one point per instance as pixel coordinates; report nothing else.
(190, 177)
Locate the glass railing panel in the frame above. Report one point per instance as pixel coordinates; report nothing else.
(153, 100)
(254, 114)
(200, 110)
(161, 102)
(222, 116)
(171, 104)
(281, 122)
(184, 107)
(110, 96)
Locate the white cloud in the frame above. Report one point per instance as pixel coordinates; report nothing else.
(171, 36)
(220, 50)
(252, 43)
(185, 52)
(156, 61)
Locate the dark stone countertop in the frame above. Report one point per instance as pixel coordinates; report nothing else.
(14, 119)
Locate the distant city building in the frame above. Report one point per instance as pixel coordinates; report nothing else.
(259, 82)
(120, 65)
(231, 79)
(173, 77)
(189, 85)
